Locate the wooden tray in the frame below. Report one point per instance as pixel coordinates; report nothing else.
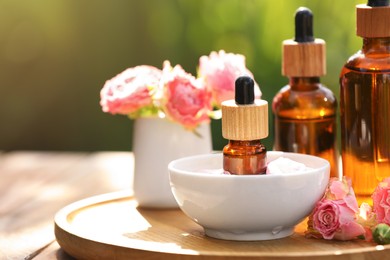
(111, 226)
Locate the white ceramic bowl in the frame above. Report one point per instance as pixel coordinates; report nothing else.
(249, 207)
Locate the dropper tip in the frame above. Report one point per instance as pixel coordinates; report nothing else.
(378, 3)
(303, 25)
(244, 90)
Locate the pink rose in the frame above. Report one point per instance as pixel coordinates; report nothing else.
(186, 99)
(220, 71)
(336, 214)
(334, 219)
(130, 90)
(325, 218)
(381, 201)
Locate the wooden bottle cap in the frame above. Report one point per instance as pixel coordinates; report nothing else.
(372, 22)
(245, 122)
(304, 59)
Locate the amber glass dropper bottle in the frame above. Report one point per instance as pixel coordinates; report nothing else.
(305, 110)
(365, 102)
(244, 123)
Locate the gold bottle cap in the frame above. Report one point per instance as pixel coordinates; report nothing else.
(245, 122)
(304, 56)
(372, 22)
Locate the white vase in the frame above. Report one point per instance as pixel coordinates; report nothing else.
(156, 142)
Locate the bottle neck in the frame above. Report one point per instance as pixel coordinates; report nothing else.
(244, 143)
(304, 83)
(376, 45)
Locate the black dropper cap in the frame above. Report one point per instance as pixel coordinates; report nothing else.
(377, 3)
(244, 90)
(304, 25)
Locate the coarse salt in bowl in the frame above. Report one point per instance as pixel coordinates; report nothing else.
(248, 207)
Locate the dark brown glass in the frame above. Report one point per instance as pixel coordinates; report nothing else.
(365, 116)
(244, 157)
(305, 120)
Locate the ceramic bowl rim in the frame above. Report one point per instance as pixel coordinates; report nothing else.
(172, 168)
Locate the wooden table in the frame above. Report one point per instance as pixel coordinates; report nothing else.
(34, 186)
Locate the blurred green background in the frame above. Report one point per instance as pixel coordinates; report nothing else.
(56, 55)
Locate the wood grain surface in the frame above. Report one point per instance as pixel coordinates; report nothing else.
(112, 227)
(35, 185)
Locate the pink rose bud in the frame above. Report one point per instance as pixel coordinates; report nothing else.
(381, 234)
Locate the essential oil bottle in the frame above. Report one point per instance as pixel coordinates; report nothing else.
(244, 124)
(365, 102)
(305, 110)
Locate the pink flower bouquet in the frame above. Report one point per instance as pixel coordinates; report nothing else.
(172, 93)
(337, 216)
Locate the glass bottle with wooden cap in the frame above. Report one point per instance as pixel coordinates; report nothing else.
(244, 124)
(305, 110)
(365, 102)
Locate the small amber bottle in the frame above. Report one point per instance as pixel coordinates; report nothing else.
(305, 110)
(365, 102)
(244, 124)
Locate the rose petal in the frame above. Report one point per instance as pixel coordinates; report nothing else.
(348, 231)
(337, 189)
(346, 214)
(352, 203)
